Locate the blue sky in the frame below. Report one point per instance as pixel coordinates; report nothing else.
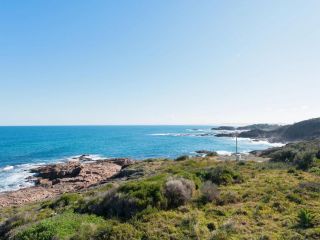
(158, 62)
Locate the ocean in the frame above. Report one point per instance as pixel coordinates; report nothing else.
(23, 148)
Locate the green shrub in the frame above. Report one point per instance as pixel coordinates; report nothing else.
(42, 231)
(293, 197)
(120, 205)
(304, 160)
(178, 191)
(292, 170)
(228, 197)
(66, 199)
(148, 193)
(123, 231)
(10, 224)
(315, 170)
(223, 175)
(305, 219)
(212, 154)
(301, 154)
(62, 226)
(182, 158)
(128, 199)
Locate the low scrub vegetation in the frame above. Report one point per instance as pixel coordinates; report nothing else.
(194, 198)
(222, 175)
(305, 218)
(303, 155)
(178, 192)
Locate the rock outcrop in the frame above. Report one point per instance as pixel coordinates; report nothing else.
(51, 172)
(55, 179)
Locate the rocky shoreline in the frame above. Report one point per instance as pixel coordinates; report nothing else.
(55, 179)
(84, 173)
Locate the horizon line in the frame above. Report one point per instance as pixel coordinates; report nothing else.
(138, 124)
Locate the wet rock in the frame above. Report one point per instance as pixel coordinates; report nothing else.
(227, 128)
(53, 180)
(207, 153)
(55, 171)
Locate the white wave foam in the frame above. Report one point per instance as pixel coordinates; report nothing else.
(6, 168)
(261, 142)
(227, 153)
(16, 177)
(93, 157)
(161, 134)
(199, 130)
(199, 134)
(171, 134)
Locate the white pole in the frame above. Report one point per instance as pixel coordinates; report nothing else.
(236, 143)
(237, 155)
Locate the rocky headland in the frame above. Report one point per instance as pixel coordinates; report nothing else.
(301, 131)
(56, 179)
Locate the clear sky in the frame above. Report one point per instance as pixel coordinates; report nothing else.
(158, 62)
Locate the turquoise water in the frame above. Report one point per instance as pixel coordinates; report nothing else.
(22, 148)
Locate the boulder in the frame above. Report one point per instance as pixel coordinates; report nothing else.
(123, 162)
(70, 169)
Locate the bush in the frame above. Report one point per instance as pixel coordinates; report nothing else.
(148, 192)
(128, 199)
(210, 192)
(305, 219)
(42, 231)
(292, 170)
(300, 154)
(304, 160)
(229, 197)
(123, 231)
(66, 199)
(315, 170)
(119, 205)
(178, 191)
(293, 197)
(182, 158)
(63, 226)
(10, 224)
(223, 175)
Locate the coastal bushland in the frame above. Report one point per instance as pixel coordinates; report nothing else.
(194, 198)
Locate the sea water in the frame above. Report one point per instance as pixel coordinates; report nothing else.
(23, 148)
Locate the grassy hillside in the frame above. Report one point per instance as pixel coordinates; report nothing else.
(197, 198)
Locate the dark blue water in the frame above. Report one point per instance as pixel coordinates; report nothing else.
(21, 148)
